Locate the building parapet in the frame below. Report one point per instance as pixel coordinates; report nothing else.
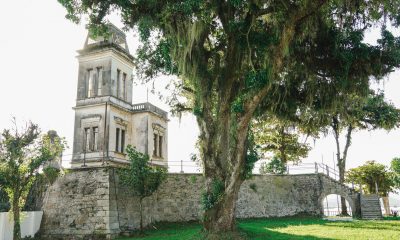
(140, 107)
(148, 107)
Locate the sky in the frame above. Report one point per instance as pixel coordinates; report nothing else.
(39, 77)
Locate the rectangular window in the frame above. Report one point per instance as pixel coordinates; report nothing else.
(117, 140)
(160, 143)
(118, 82)
(90, 89)
(122, 140)
(99, 81)
(155, 139)
(95, 138)
(87, 140)
(124, 86)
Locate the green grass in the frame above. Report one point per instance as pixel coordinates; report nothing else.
(287, 228)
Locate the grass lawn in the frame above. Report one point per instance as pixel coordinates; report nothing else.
(287, 228)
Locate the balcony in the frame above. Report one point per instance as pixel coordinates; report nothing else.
(148, 107)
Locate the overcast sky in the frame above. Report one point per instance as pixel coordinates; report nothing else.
(39, 77)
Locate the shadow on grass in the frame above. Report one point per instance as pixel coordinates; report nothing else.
(267, 228)
(273, 228)
(251, 229)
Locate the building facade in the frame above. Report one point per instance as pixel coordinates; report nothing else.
(106, 121)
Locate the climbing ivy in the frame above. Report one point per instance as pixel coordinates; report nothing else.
(215, 193)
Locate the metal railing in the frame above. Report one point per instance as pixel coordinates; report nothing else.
(335, 212)
(315, 167)
(194, 167)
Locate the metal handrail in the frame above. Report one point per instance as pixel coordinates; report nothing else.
(193, 167)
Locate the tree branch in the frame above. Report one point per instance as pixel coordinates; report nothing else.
(336, 132)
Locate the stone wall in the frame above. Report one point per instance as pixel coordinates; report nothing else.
(178, 199)
(77, 206)
(92, 203)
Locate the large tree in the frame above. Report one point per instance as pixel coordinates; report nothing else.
(359, 113)
(238, 58)
(22, 153)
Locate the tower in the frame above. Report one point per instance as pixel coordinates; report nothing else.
(106, 121)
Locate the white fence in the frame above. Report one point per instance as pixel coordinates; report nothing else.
(30, 224)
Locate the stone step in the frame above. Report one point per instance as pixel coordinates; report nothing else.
(370, 207)
(371, 216)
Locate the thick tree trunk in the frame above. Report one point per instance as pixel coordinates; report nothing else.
(223, 155)
(221, 217)
(16, 211)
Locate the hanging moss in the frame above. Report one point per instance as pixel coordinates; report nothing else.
(252, 156)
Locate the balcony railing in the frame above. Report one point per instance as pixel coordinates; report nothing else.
(143, 107)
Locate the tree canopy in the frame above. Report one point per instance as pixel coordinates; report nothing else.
(371, 175)
(237, 59)
(280, 139)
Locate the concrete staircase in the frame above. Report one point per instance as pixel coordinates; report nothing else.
(370, 207)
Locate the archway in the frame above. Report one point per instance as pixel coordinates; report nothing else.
(331, 205)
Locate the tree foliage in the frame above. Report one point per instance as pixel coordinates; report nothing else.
(4, 201)
(281, 139)
(395, 167)
(274, 166)
(143, 178)
(22, 153)
(370, 175)
(359, 113)
(238, 59)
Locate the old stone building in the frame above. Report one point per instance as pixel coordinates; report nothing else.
(106, 121)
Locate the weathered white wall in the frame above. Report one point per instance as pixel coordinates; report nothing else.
(30, 224)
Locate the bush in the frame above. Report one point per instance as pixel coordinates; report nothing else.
(275, 166)
(4, 201)
(51, 174)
